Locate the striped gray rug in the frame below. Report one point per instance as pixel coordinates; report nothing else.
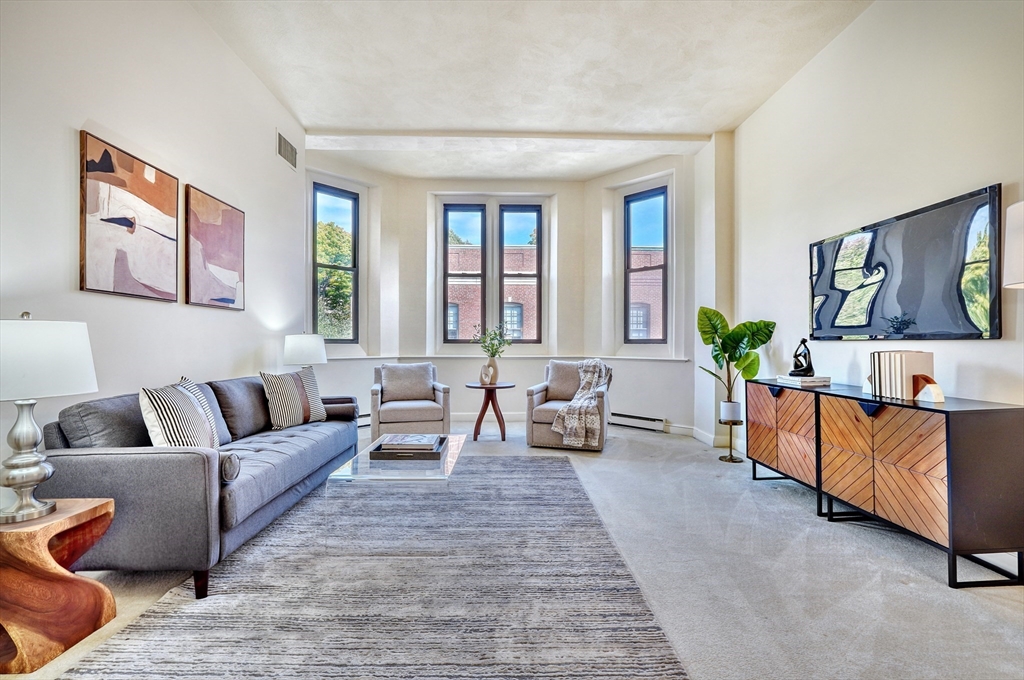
(507, 573)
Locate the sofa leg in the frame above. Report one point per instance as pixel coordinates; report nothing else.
(201, 579)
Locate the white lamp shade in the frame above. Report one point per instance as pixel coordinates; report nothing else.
(1013, 247)
(304, 350)
(44, 359)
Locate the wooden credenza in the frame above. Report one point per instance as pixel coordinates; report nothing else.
(951, 473)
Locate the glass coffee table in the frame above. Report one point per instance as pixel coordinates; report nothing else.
(393, 508)
(363, 469)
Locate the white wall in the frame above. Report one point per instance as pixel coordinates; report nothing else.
(154, 79)
(912, 104)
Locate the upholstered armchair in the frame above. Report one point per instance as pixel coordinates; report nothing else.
(407, 399)
(561, 382)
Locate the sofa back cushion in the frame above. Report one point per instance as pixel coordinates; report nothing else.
(405, 382)
(243, 403)
(563, 380)
(113, 421)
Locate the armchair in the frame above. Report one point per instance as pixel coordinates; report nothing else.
(561, 382)
(407, 399)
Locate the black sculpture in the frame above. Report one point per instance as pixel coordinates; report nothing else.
(802, 365)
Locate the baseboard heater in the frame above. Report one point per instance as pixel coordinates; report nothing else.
(637, 422)
(363, 416)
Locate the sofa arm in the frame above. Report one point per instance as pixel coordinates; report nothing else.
(536, 395)
(443, 397)
(166, 504)
(374, 411)
(341, 408)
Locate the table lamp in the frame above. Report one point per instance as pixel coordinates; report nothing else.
(1013, 247)
(37, 359)
(304, 350)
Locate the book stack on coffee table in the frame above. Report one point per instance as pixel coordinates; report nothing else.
(409, 447)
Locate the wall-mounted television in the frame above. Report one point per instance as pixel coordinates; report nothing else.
(931, 274)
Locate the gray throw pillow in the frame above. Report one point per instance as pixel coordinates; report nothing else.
(402, 382)
(563, 380)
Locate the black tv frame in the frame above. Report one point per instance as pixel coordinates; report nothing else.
(995, 219)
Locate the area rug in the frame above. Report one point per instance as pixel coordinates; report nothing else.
(505, 572)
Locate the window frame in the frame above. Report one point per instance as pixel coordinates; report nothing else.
(537, 209)
(338, 192)
(627, 200)
(446, 274)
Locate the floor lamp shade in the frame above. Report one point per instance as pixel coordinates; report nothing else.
(304, 350)
(1013, 247)
(44, 359)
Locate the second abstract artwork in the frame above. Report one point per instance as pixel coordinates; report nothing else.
(215, 251)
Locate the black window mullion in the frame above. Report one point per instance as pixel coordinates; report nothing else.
(353, 271)
(538, 265)
(481, 276)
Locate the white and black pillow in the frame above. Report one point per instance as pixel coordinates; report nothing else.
(179, 415)
(293, 398)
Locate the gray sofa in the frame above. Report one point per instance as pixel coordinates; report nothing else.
(543, 401)
(180, 508)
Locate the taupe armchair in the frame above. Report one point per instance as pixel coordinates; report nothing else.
(407, 399)
(561, 382)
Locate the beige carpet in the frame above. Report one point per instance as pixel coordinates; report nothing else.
(745, 580)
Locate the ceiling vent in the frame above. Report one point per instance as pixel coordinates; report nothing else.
(287, 151)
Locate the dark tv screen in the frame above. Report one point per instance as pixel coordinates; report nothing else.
(932, 274)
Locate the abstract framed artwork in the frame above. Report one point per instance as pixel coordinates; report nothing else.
(214, 251)
(129, 224)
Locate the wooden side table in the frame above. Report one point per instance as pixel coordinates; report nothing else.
(44, 608)
(490, 399)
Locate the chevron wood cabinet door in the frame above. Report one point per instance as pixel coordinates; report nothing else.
(762, 442)
(847, 466)
(796, 446)
(910, 471)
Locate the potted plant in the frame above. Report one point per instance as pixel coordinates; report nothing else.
(733, 350)
(493, 342)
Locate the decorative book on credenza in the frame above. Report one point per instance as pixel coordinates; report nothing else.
(804, 380)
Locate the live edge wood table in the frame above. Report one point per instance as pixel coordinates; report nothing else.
(44, 608)
(490, 399)
(949, 473)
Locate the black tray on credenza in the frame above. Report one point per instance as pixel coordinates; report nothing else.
(378, 453)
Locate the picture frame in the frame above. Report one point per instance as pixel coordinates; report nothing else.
(128, 239)
(214, 251)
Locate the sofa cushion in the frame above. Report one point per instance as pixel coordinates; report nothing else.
(223, 434)
(244, 405)
(563, 380)
(545, 413)
(293, 398)
(410, 411)
(178, 415)
(404, 382)
(114, 421)
(272, 462)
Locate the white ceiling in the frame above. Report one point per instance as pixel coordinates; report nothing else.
(562, 90)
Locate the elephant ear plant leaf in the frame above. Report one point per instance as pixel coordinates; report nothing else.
(733, 350)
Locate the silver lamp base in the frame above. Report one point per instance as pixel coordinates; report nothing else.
(26, 469)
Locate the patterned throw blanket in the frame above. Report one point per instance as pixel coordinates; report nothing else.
(579, 421)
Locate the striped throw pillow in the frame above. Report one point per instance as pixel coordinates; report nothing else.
(293, 398)
(179, 415)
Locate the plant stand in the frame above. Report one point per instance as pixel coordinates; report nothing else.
(730, 458)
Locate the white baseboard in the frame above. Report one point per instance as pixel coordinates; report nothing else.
(719, 441)
(1007, 561)
(684, 430)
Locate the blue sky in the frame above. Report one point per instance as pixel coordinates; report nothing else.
(330, 208)
(518, 227)
(466, 225)
(647, 222)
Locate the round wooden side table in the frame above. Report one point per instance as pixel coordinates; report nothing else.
(490, 399)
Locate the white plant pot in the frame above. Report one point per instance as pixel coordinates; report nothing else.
(729, 410)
